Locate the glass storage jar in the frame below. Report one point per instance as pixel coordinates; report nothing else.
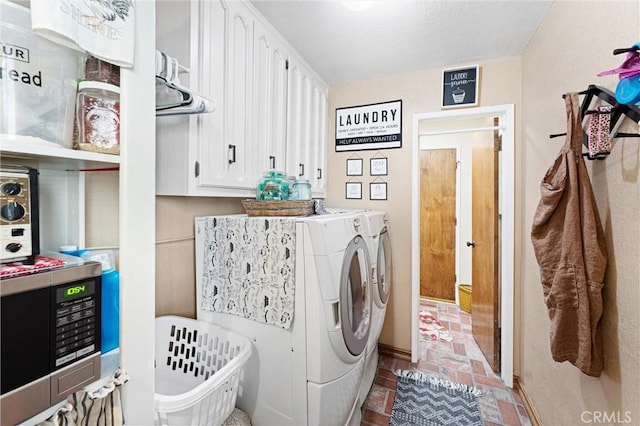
(98, 117)
(273, 186)
(301, 190)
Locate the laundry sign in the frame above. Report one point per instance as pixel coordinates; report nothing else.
(373, 126)
(460, 87)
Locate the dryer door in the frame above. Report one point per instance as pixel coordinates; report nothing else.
(383, 271)
(355, 296)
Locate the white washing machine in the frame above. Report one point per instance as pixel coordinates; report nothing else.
(311, 372)
(377, 236)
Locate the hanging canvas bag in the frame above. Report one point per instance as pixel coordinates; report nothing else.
(569, 246)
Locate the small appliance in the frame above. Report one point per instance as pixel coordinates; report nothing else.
(50, 338)
(19, 215)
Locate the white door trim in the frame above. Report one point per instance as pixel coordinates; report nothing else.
(507, 211)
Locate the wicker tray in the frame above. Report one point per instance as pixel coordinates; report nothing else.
(278, 208)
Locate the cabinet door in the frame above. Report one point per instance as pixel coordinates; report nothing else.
(298, 132)
(224, 136)
(178, 35)
(306, 142)
(318, 160)
(270, 99)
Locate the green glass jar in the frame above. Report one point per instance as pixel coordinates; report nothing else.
(301, 190)
(273, 186)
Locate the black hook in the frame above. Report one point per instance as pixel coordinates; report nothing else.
(634, 48)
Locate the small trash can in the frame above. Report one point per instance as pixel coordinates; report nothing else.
(464, 296)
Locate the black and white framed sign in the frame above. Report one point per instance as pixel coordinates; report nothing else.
(373, 126)
(460, 87)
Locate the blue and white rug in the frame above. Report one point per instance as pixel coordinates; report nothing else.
(427, 400)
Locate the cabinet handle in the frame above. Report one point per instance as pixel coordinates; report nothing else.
(319, 174)
(233, 154)
(301, 171)
(272, 161)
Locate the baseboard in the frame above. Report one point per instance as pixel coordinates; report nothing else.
(435, 299)
(526, 400)
(394, 352)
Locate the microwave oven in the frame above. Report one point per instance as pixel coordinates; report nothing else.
(50, 338)
(19, 215)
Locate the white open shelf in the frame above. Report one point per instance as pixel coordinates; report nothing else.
(49, 156)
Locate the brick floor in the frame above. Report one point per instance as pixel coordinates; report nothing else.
(459, 360)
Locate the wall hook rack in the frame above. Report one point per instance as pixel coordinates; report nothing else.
(618, 113)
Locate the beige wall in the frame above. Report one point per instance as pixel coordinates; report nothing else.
(571, 46)
(419, 92)
(175, 243)
(574, 43)
(175, 238)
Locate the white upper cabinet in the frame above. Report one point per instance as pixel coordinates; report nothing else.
(318, 158)
(230, 165)
(306, 127)
(270, 108)
(208, 154)
(271, 62)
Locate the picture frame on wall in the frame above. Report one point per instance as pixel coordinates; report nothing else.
(354, 166)
(353, 191)
(378, 166)
(378, 191)
(460, 86)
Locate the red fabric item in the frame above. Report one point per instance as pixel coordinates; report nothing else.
(42, 263)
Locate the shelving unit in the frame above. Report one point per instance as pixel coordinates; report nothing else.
(61, 177)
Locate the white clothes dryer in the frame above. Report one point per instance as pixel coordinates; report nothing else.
(310, 373)
(379, 243)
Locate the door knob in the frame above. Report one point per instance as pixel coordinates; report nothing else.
(471, 243)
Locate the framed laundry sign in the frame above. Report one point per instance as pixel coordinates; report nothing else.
(460, 87)
(373, 126)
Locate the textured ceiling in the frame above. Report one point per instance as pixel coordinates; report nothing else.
(400, 36)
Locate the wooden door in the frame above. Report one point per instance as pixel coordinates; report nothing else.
(485, 244)
(438, 223)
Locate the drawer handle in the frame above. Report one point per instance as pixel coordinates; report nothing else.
(232, 148)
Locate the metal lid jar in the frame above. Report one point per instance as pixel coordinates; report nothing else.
(301, 190)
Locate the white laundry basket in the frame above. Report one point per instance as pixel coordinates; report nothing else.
(198, 368)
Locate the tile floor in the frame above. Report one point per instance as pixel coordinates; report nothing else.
(459, 360)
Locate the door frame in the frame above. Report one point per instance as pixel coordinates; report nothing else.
(507, 212)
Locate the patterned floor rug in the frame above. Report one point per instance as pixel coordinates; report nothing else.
(427, 400)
